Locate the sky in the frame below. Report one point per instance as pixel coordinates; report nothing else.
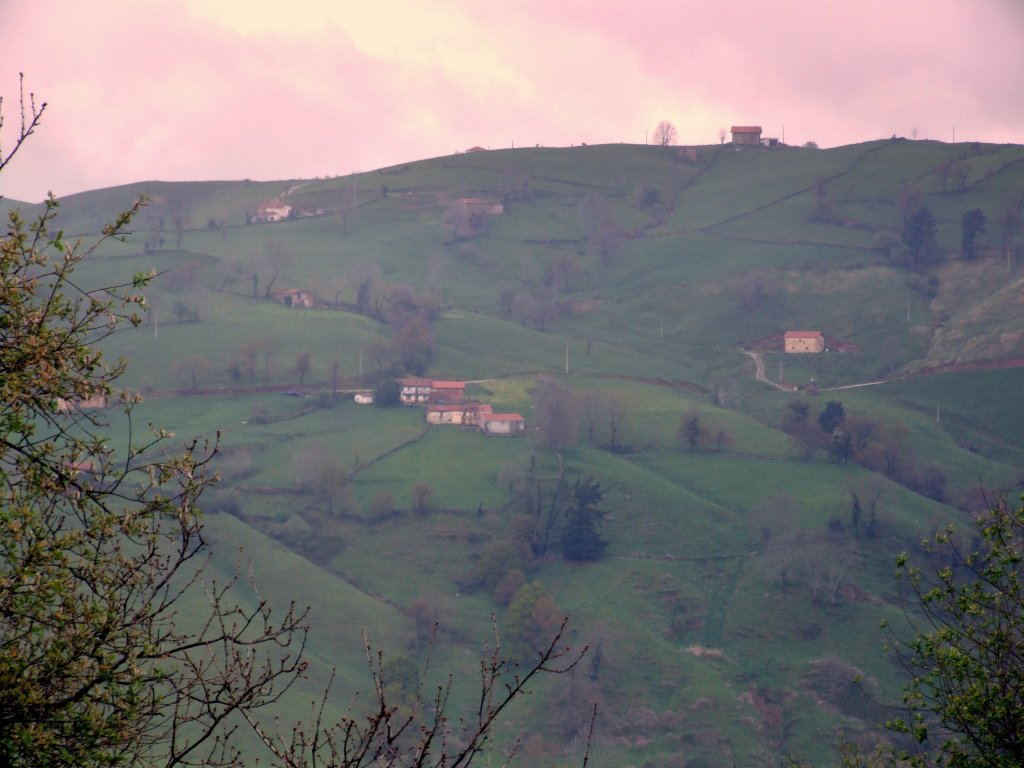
(264, 89)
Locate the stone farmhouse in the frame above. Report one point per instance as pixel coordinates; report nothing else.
(804, 342)
(463, 415)
(297, 298)
(746, 135)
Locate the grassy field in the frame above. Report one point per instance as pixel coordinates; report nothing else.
(738, 586)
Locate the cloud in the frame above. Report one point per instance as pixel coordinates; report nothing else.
(185, 89)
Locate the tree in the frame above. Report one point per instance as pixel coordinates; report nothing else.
(421, 495)
(278, 260)
(691, 431)
(322, 477)
(580, 537)
(919, 232)
(245, 356)
(387, 393)
(97, 550)
(303, 364)
(665, 134)
(965, 651)
(413, 344)
(192, 368)
(972, 225)
(268, 346)
(556, 411)
(831, 416)
(530, 618)
(101, 553)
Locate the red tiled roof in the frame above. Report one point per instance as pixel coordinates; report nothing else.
(803, 334)
(460, 408)
(746, 129)
(501, 417)
(448, 384)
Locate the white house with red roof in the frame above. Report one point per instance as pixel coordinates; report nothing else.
(272, 210)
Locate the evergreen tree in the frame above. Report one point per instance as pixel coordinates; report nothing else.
(580, 537)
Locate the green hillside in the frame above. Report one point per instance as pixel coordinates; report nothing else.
(611, 302)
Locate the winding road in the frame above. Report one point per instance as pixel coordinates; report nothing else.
(759, 375)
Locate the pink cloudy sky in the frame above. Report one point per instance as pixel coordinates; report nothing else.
(228, 89)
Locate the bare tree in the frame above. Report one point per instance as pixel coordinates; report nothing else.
(268, 346)
(421, 495)
(320, 475)
(193, 368)
(31, 116)
(278, 260)
(665, 134)
(303, 364)
(555, 409)
(245, 356)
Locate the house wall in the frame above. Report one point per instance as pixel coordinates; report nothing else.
(502, 427)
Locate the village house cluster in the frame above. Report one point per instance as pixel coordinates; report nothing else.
(444, 402)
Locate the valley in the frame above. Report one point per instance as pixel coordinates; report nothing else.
(619, 298)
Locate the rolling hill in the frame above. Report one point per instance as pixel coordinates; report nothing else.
(610, 301)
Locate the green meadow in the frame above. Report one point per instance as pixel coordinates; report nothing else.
(748, 565)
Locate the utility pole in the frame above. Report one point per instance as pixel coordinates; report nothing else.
(360, 362)
(567, 358)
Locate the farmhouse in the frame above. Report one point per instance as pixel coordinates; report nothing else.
(297, 298)
(746, 135)
(96, 401)
(414, 391)
(479, 205)
(466, 414)
(272, 210)
(502, 424)
(803, 342)
(364, 398)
